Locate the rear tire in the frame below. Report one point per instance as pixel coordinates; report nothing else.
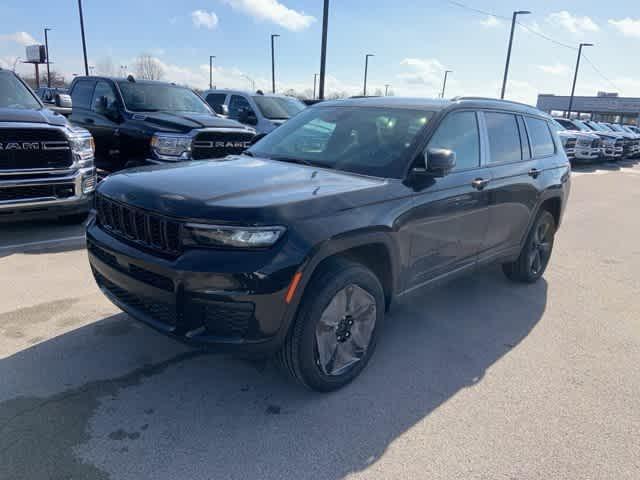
(336, 329)
(535, 254)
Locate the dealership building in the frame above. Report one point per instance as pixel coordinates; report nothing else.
(605, 107)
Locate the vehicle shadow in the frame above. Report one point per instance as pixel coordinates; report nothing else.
(39, 236)
(219, 417)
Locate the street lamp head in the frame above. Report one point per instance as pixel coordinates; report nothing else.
(522, 12)
(370, 55)
(273, 35)
(586, 44)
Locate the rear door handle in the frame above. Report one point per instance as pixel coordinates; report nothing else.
(479, 183)
(534, 172)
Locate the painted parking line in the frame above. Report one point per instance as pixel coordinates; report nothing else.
(42, 243)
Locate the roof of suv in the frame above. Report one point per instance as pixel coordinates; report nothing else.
(123, 79)
(437, 104)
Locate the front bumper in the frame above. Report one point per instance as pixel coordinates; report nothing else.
(37, 196)
(588, 154)
(232, 301)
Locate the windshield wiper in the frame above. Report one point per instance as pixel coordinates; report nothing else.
(299, 161)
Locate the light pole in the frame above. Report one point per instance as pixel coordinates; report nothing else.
(84, 43)
(575, 76)
(386, 89)
(366, 69)
(123, 70)
(506, 66)
(92, 69)
(315, 78)
(46, 49)
(15, 62)
(211, 57)
(444, 83)
(273, 64)
(323, 50)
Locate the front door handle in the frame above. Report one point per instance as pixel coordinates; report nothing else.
(89, 120)
(479, 183)
(534, 172)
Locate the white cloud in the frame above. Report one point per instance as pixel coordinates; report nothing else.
(23, 38)
(273, 11)
(201, 18)
(572, 23)
(423, 72)
(627, 26)
(557, 69)
(491, 22)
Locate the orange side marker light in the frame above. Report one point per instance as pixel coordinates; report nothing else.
(292, 287)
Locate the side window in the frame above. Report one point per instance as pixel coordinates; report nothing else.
(524, 139)
(82, 93)
(459, 132)
(236, 104)
(103, 98)
(541, 139)
(214, 99)
(504, 137)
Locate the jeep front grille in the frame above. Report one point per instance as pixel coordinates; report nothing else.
(148, 230)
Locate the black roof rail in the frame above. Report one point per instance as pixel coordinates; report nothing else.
(455, 99)
(131, 79)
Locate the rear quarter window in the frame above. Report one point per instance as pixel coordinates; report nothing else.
(540, 136)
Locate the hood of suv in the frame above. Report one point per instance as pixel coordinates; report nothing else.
(44, 115)
(184, 122)
(242, 189)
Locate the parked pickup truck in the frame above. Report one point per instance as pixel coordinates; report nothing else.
(612, 143)
(137, 122)
(46, 164)
(588, 147)
(265, 112)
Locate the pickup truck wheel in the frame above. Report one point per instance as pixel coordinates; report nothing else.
(535, 254)
(337, 326)
(73, 219)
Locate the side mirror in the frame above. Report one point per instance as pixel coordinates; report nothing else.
(257, 138)
(63, 100)
(221, 109)
(439, 161)
(247, 117)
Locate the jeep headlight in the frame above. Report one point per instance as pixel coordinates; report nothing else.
(171, 147)
(82, 147)
(230, 237)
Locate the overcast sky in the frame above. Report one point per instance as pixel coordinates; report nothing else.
(414, 42)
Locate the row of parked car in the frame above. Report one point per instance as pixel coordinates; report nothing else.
(588, 141)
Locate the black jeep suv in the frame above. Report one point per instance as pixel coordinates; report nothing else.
(138, 122)
(299, 245)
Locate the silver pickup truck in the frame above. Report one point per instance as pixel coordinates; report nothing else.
(46, 164)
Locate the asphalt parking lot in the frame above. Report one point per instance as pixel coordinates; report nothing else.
(479, 379)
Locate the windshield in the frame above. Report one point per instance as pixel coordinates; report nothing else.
(278, 108)
(149, 97)
(617, 128)
(558, 127)
(370, 141)
(13, 94)
(583, 127)
(596, 127)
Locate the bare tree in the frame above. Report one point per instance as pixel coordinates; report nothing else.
(106, 67)
(57, 79)
(148, 68)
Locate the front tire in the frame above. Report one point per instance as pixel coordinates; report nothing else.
(535, 254)
(336, 329)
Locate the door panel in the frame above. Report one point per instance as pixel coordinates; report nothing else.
(449, 219)
(514, 189)
(447, 225)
